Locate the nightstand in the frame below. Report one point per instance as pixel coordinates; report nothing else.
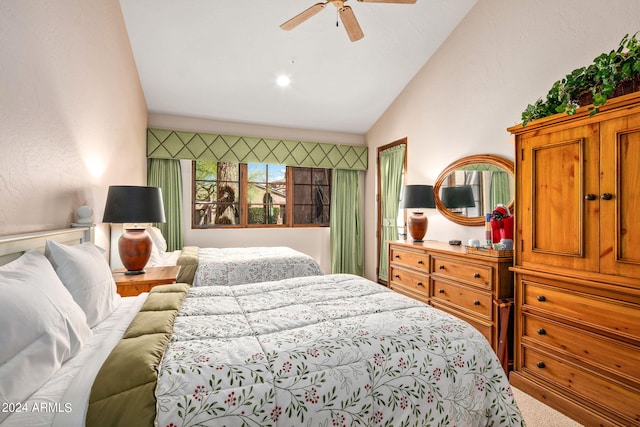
(136, 284)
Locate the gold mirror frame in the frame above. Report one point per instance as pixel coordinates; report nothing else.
(498, 161)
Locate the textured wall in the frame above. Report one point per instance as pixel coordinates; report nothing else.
(504, 55)
(72, 112)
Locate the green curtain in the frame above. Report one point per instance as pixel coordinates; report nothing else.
(166, 174)
(391, 167)
(347, 240)
(499, 190)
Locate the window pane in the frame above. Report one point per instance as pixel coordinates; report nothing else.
(321, 176)
(205, 191)
(266, 193)
(216, 191)
(311, 196)
(302, 175)
(256, 172)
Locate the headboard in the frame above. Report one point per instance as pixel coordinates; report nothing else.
(12, 246)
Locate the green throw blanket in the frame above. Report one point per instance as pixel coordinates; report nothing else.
(127, 379)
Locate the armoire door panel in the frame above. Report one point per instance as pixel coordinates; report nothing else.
(620, 196)
(560, 228)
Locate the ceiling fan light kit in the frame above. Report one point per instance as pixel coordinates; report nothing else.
(346, 14)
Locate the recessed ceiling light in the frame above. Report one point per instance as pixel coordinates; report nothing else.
(283, 81)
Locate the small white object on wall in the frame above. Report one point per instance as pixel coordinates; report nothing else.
(85, 217)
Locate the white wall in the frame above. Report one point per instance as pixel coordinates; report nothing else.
(504, 55)
(72, 112)
(313, 241)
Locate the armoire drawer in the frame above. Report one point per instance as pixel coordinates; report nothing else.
(613, 395)
(474, 274)
(410, 259)
(485, 329)
(464, 297)
(604, 353)
(599, 313)
(416, 281)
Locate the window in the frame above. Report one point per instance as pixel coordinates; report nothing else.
(312, 195)
(229, 194)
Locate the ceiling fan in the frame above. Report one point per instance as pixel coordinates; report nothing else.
(346, 14)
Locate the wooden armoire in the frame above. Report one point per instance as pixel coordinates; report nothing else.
(577, 262)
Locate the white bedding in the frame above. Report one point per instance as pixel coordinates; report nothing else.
(237, 266)
(62, 401)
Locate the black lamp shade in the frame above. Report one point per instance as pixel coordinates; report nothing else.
(458, 197)
(417, 196)
(133, 204)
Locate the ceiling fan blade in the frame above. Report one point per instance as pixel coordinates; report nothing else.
(388, 1)
(350, 23)
(303, 16)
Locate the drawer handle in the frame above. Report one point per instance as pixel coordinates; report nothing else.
(590, 196)
(541, 365)
(420, 284)
(420, 262)
(606, 196)
(476, 302)
(541, 298)
(397, 256)
(397, 276)
(541, 331)
(441, 266)
(476, 275)
(441, 291)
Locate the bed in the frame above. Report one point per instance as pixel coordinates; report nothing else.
(317, 350)
(232, 266)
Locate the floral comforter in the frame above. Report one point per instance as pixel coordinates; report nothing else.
(235, 266)
(334, 350)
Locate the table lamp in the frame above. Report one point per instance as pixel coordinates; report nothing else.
(417, 197)
(134, 205)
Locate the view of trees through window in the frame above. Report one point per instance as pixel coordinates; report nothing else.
(266, 194)
(238, 194)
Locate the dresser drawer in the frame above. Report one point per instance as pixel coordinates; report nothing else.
(415, 281)
(474, 274)
(485, 329)
(411, 292)
(613, 356)
(601, 314)
(463, 297)
(410, 259)
(594, 388)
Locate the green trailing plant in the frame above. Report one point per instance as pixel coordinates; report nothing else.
(599, 79)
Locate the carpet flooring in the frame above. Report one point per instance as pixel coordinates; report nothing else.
(537, 414)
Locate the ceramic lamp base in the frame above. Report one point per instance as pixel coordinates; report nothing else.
(417, 226)
(135, 250)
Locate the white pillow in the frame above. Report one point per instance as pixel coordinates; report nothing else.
(155, 260)
(158, 239)
(40, 326)
(85, 273)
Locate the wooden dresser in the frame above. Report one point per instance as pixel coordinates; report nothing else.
(577, 263)
(469, 286)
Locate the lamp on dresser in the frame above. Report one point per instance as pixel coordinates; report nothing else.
(417, 197)
(133, 205)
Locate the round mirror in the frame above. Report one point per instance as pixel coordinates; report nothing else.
(471, 187)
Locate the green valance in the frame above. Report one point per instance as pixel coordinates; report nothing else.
(169, 144)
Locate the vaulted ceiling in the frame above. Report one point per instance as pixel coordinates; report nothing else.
(220, 60)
